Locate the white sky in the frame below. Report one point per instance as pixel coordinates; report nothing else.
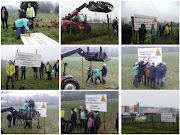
(29, 92)
(69, 6)
(48, 53)
(151, 98)
(165, 10)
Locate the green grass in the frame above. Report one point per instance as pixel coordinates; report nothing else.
(8, 37)
(98, 35)
(112, 109)
(51, 121)
(149, 128)
(172, 74)
(30, 82)
(74, 68)
(173, 39)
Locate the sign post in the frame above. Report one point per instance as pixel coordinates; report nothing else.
(97, 102)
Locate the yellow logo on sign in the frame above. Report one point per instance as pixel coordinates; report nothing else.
(154, 20)
(173, 115)
(103, 99)
(158, 53)
(43, 106)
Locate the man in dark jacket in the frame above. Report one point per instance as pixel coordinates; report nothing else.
(164, 73)
(152, 75)
(4, 16)
(115, 27)
(159, 75)
(142, 33)
(41, 72)
(56, 67)
(96, 122)
(22, 14)
(73, 117)
(104, 73)
(141, 70)
(31, 104)
(117, 123)
(126, 34)
(161, 29)
(9, 117)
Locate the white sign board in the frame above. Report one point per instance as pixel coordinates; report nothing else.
(140, 118)
(41, 108)
(142, 19)
(27, 59)
(96, 102)
(168, 117)
(153, 54)
(38, 39)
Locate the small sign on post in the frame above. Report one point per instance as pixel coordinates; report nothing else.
(140, 118)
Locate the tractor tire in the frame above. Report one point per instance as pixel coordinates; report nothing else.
(73, 28)
(88, 26)
(70, 84)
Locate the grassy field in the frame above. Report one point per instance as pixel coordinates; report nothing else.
(30, 82)
(173, 39)
(8, 37)
(52, 123)
(148, 128)
(172, 74)
(74, 68)
(98, 35)
(112, 109)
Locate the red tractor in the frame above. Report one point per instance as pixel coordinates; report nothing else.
(67, 81)
(75, 21)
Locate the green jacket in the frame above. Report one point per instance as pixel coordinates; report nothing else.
(10, 70)
(25, 106)
(22, 68)
(135, 69)
(96, 72)
(50, 68)
(153, 31)
(22, 22)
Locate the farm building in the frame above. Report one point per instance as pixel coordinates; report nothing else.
(168, 110)
(149, 110)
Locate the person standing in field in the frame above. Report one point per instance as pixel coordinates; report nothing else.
(88, 114)
(142, 33)
(169, 30)
(159, 75)
(157, 31)
(97, 75)
(56, 67)
(126, 33)
(10, 70)
(161, 30)
(148, 74)
(141, 69)
(90, 74)
(35, 72)
(90, 124)
(116, 123)
(79, 113)
(152, 75)
(82, 118)
(164, 73)
(97, 122)
(104, 73)
(115, 27)
(135, 70)
(22, 14)
(62, 113)
(48, 70)
(25, 107)
(30, 14)
(153, 33)
(9, 117)
(16, 74)
(73, 116)
(4, 16)
(166, 31)
(41, 72)
(23, 71)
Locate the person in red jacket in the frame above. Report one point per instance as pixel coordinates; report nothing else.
(148, 73)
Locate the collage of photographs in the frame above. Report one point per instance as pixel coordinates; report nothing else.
(83, 67)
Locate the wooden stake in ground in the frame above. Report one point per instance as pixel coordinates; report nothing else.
(82, 71)
(36, 68)
(104, 122)
(44, 125)
(17, 71)
(108, 27)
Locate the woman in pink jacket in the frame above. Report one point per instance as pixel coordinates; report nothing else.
(90, 124)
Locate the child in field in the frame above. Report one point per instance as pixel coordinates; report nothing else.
(90, 123)
(9, 117)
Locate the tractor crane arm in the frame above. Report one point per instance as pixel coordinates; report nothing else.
(7, 109)
(69, 53)
(77, 10)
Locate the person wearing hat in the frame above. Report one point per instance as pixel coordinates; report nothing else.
(9, 117)
(22, 24)
(152, 75)
(104, 73)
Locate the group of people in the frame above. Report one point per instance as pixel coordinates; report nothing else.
(89, 121)
(26, 20)
(12, 71)
(154, 76)
(96, 73)
(164, 31)
(28, 105)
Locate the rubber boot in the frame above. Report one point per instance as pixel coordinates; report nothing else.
(13, 87)
(6, 87)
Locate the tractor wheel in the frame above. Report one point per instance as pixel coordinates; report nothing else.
(73, 28)
(70, 84)
(88, 26)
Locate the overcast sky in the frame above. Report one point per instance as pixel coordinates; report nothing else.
(151, 98)
(69, 6)
(48, 53)
(163, 10)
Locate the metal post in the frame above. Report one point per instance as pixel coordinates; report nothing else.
(108, 27)
(82, 71)
(104, 122)
(17, 71)
(44, 125)
(36, 68)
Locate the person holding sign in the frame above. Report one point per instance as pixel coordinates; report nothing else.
(10, 70)
(135, 70)
(23, 71)
(48, 70)
(41, 73)
(152, 75)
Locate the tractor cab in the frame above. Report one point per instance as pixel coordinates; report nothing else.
(79, 18)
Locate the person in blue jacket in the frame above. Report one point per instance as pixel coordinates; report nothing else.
(73, 116)
(22, 24)
(152, 75)
(165, 69)
(159, 75)
(104, 73)
(96, 122)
